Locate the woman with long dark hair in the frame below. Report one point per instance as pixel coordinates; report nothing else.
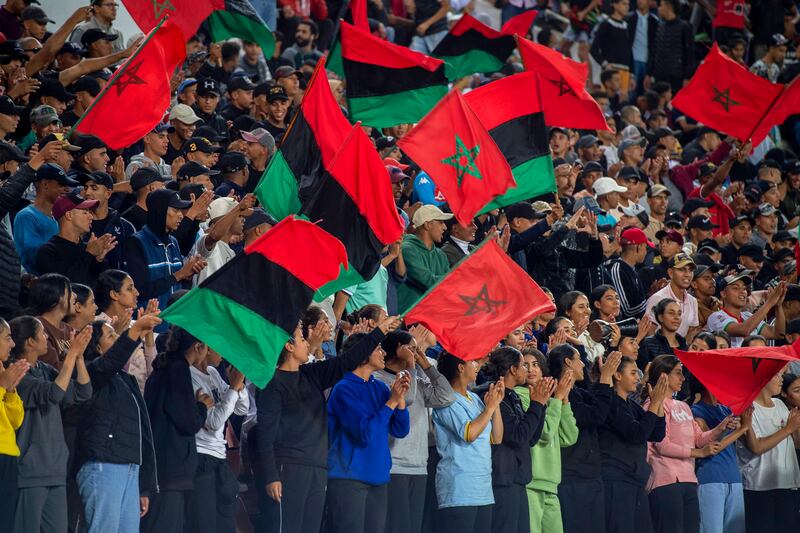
(623, 450)
(50, 300)
(405, 353)
(291, 437)
(465, 431)
(522, 428)
(666, 340)
(673, 484)
(45, 391)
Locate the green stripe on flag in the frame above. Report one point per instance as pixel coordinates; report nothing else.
(397, 108)
(466, 64)
(347, 278)
(225, 25)
(534, 178)
(241, 336)
(277, 189)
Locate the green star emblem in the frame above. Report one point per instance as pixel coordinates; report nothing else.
(464, 160)
(160, 7)
(724, 99)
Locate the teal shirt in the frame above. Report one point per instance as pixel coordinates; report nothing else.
(424, 269)
(560, 431)
(373, 291)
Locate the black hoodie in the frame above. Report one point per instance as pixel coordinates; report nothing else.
(121, 229)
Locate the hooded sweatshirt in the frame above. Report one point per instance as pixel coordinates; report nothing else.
(424, 269)
(153, 255)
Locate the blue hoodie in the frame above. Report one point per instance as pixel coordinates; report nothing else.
(359, 425)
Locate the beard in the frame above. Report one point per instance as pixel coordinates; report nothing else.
(301, 42)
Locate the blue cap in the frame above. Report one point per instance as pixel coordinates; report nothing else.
(51, 171)
(188, 82)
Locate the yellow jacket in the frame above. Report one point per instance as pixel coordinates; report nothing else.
(11, 415)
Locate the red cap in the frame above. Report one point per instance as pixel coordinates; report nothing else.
(633, 236)
(65, 204)
(391, 161)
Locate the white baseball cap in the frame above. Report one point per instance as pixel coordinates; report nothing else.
(427, 213)
(606, 185)
(221, 207)
(185, 114)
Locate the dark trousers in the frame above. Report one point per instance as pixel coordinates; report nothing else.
(773, 511)
(627, 508)
(355, 507)
(8, 488)
(430, 517)
(211, 506)
(406, 503)
(510, 512)
(675, 508)
(466, 519)
(582, 506)
(302, 501)
(166, 513)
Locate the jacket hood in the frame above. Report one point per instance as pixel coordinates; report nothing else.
(157, 203)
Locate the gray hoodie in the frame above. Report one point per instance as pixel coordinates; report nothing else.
(429, 389)
(43, 451)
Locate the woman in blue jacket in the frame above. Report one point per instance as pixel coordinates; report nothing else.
(362, 414)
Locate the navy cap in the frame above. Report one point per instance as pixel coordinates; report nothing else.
(753, 251)
(10, 50)
(190, 189)
(87, 143)
(258, 217)
(783, 235)
(192, 169)
(52, 87)
(73, 48)
(144, 177)
(198, 144)
(10, 152)
(700, 222)
(693, 204)
(86, 84)
(51, 171)
(173, 200)
(8, 107)
(232, 162)
(93, 34)
(742, 218)
(100, 178)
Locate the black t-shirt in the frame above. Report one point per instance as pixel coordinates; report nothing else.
(70, 259)
(136, 216)
(171, 154)
(425, 10)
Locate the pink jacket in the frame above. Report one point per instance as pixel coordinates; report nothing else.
(671, 459)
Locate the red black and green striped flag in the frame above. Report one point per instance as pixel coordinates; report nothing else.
(239, 19)
(516, 124)
(308, 147)
(471, 46)
(353, 201)
(452, 145)
(388, 84)
(250, 307)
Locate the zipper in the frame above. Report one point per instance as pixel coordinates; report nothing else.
(139, 425)
(152, 445)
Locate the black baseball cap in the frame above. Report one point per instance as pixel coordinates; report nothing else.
(192, 169)
(173, 200)
(190, 189)
(692, 204)
(232, 162)
(10, 152)
(35, 13)
(51, 171)
(68, 146)
(144, 177)
(783, 235)
(591, 166)
(100, 178)
(240, 82)
(673, 219)
(198, 144)
(276, 93)
(520, 210)
(211, 134)
(206, 86)
(258, 217)
(86, 84)
(753, 251)
(8, 107)
(73, 48)
(52, 87)
(708, 244)
(742, 218)
(87, 142)
(10, 50)
(93, 34)
(700, 222)
(385, 142)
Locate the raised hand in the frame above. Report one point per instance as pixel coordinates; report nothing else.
(121, 323)
(11, 376)
(564, 385)
(542, 391)
(235, 378)
(424, 337)
(79, 342)
(494, 396)
(609, 367)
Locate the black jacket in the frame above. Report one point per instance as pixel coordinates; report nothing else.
(292, 418)
(672, 55)
(70, 259)
(10, 269)
(511, 459)
(121, 229)
(590, 408)
(114, 427)
(623, 441)
(175, 417)
(454, 252)
(656, 345)
(551, 262)
(652, 26)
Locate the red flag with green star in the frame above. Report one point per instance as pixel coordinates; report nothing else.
(725, 96)
(457, 152)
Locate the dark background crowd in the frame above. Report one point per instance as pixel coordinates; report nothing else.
(662, 234)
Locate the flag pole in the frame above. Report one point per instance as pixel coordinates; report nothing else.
(117, 74)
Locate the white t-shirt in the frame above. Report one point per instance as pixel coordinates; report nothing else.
(719, 320)
(777, 468)
(690, 317)
(211, 438)
(220, 254)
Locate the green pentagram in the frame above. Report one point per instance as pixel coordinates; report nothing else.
(464, 160)
(129, 77)
(481, 303)
(160, 7)
(724, 99)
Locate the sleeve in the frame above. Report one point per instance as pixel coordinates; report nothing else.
(77, 393)
(598, 42)
(37, 392)
(552, 419)
(668, 447)
(399, 424)
(218, 414)
(132, 167)
(452, 419)
(437, 392)
(26, 239)
(326, 373)
(102, 369)
(567, 428)
(630, 300)
(521, 431)
(187, 415)
(186, 234)
(718, 322)
(520, 241)
(590, 407)
(362, 424)
(590, 257)
(688, 51)
(269, 405)
(701, 438)
(14, 187)
(140, 273)
(631, 422)
(15, 411)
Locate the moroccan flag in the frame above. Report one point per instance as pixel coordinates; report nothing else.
(459, 155)
(186, 14)
(250, 307)
(727, 97)
(141, 84)
(308, 147)
(239, 19)
(788, 103)
(483, 298)
(562, 91)
(471, 46)
(517, 126)
(353, 201)
(736, 375)
(388, 84)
